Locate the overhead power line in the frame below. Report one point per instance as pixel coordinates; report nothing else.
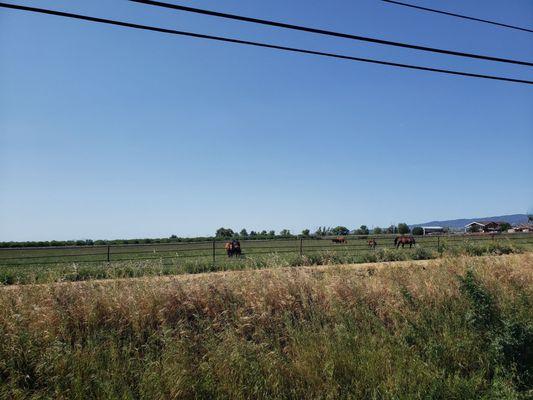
(329, 33)
(459, 15)
(257, 44)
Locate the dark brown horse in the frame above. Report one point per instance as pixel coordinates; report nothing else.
(339, 240)
(372, 243)
(233, 248)
(403, 240)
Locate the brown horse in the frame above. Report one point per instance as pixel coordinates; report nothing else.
(229, 248)
(233, 248)
(372, 243)
(339, 240)
(403, 240)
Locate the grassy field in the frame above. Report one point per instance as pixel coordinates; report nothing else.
(456, 327)
(41, 265)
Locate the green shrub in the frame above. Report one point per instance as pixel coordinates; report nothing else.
(387, 254)
(508, 341)
(422, 253)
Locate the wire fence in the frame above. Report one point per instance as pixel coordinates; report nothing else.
(213, 251)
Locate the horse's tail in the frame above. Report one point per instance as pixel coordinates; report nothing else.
(396, 240)
(413, 240)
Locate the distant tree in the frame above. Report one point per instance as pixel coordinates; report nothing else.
(391, 229)
(340, 230)
(363, 230)
(403, 228)
(377, 230)
(306, 232)
(243, 233)
(323, 231)
(173, 236)
(417, 230)
(271, 233)
(504, 226)
(253, 233)
(285, 232)
(224, 233)
(264, 233)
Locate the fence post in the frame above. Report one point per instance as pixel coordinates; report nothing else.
(108, 253)
(438, 243)
(301, 247)
(214, 253)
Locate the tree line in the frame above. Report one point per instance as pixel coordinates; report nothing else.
(322, 231)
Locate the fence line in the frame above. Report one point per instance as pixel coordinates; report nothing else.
(214, 249)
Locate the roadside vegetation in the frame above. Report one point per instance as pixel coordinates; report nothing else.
(457, 327)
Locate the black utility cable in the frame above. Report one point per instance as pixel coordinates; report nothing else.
(257, 44)
(458, 15)
(330, 33)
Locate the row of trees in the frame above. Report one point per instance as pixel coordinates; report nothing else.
(89, 242)
(227, 233)
(243, 234)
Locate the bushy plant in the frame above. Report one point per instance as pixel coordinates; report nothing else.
(423, 253)
(386, 254)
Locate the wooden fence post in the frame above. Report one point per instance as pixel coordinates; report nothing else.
(301, 247)
(438, 243)
(108, 253)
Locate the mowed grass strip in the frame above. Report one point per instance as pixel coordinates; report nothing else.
(458, 327)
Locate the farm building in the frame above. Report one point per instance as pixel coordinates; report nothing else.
(483, 226)
(432, 230)
(521, 228)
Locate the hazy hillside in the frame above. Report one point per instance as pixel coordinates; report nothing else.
(460, 223)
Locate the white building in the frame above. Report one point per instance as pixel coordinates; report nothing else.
(432, 230)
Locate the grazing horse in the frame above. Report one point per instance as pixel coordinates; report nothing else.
(233, 248)
(339, 240)
(236, 248)
(229, 248)
(403, 240)
(372, 243)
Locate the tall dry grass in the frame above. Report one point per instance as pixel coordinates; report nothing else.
(450, 328)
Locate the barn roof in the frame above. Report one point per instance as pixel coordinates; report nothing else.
(484, 223)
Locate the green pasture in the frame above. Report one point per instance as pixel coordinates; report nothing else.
(40, 265)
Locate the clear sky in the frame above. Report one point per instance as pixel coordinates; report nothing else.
(108, 132)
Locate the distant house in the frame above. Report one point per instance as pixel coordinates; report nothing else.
(521, 228)
(483, 226)
(432, 230)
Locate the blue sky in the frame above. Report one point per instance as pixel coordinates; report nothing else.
(107, 132)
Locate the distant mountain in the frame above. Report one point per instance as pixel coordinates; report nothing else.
(513, 219)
